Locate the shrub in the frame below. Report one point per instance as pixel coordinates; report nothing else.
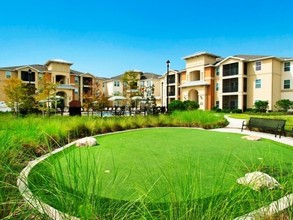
(176, 105)
(284, 105)
(190, 105)
(261, 106)
(236, 110)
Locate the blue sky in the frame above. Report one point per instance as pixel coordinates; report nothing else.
(108, 37)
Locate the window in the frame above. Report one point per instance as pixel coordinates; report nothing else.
(8, 74)
(217, 71)
(116, 83)
(217, 86)
(258, 83)
(258, 65)
(287, 84)
(76, 80)
(287, 66)
(26, 76)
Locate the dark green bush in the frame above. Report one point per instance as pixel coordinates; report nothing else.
(178, 105)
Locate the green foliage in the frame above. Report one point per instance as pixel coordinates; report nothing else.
(261, 106)
(284, 105)
(190, 105)
(178, 105)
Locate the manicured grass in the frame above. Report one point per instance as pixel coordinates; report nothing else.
(167, 166)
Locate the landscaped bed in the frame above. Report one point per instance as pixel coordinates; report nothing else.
(162, 173)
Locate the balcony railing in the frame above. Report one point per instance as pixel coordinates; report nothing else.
(230, 89)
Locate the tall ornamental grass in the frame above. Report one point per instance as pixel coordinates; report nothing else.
(23, 139)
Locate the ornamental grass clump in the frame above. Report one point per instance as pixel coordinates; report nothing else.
(199, 118)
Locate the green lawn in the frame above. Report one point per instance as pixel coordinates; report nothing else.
(165, 164)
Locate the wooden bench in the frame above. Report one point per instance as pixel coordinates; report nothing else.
(277, 126)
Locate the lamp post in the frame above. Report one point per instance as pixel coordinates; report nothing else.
(29, 76)
(167, 92)
(29, 80)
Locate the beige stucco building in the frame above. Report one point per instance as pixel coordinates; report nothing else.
(71, 84)
(148, 86)
(234, 82)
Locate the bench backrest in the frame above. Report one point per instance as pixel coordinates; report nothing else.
(272, 123)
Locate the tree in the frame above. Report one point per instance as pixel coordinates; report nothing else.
(130, 80)
(45, 93)
(93, 97)
(261, 106)
(284, 105)
(16, 92)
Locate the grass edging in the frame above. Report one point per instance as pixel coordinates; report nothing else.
(22, 183)
(270, 210)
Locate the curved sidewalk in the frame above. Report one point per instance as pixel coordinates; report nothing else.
(235, 127)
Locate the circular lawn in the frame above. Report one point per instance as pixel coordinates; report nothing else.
(160, 165)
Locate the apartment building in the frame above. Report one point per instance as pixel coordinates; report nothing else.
(245, 79)
(148, 85)
(71, 84)
(234, 82)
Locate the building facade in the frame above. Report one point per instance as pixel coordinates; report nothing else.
(234, 82)
(71, 84)
(147, 86)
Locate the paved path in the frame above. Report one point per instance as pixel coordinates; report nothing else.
(235, 127)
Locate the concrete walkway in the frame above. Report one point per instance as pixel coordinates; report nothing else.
(235, 127)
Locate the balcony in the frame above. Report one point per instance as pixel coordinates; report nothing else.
(65, 86)
(194, 83)
(230, 69)
(87, 81)
(230, 89)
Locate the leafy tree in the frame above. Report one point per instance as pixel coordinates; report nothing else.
(93, 97)
(130, 80)
(284, 105)
(46, 89)
(261, 106)
(16, 92)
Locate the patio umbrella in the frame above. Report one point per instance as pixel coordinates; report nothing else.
(116, 98)
(135, 98)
